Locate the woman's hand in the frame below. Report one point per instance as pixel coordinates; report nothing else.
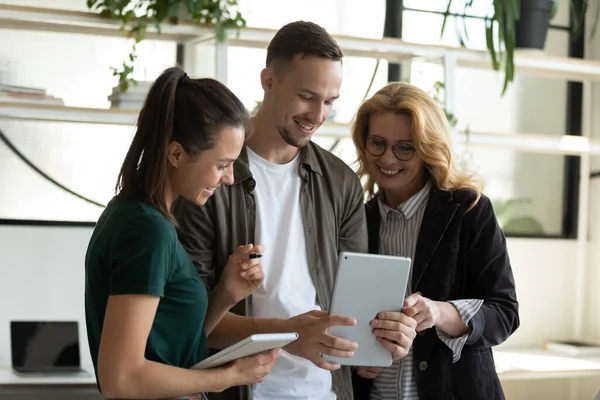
(440, 314)
(242, 275)
(395, 331)
(426, 311)
(253, 369)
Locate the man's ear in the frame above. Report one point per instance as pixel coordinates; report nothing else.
(175, 154)
(267, 79)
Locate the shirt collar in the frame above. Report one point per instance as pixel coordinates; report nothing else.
(410, 207)
(307, 157)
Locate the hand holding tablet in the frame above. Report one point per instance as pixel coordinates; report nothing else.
(315, 340)
(252, 345)
(368, 286)
(395, 331)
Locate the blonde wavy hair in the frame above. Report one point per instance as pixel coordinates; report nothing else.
(430, 136)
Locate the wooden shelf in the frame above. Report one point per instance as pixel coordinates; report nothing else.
(526, 61)
(10, 379)
(64, 21)
(531, 142)
(44, 19)
(45, 112)
(529, 364)
(525, 142)
(109, 116)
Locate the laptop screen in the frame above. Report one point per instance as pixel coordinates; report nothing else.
(44, 345)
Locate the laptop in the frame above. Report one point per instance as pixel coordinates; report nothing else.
(45, 347)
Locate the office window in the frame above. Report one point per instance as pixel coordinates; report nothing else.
(83, 157)
(526, 205)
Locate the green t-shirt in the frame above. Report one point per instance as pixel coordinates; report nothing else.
(135, 250)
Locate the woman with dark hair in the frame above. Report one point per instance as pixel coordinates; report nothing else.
(148, 313)
(422, 206)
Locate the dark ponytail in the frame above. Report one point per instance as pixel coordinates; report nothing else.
(190, 111)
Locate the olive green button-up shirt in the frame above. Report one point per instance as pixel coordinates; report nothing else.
(332, 202)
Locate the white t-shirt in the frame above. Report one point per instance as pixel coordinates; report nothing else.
(288, 289)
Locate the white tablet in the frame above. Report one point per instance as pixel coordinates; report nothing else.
(367, 284)
(250, 346)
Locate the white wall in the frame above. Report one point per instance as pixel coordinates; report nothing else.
(43, 277)
(545, 289)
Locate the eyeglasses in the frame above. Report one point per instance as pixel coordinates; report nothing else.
(377, 147)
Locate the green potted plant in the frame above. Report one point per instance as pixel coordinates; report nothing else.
(136, 15)
(512, 223)
(517, 24)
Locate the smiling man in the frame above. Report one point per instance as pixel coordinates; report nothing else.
(303, 205)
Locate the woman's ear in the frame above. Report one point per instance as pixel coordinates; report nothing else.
(175, 153)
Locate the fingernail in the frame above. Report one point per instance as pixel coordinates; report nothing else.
(351, 354)
(381, 316)
(243, 273)
(355, 345)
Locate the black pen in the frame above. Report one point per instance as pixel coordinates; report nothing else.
(255, 255)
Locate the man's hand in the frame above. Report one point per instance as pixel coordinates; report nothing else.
(395, 331)
(314, 339)
(242, 275)
(368, 372)
(426, 311)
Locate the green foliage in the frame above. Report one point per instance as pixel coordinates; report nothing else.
(436, 94)
(500, 29)
(578, 16)
(506, 212)
(136, 15)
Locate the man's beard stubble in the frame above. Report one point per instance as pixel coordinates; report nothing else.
(289, 139)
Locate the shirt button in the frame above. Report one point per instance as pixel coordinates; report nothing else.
(423, 365)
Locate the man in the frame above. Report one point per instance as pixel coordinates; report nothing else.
(304, 206)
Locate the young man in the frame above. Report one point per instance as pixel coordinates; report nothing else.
(304, 206)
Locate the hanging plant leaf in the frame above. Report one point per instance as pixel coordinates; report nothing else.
(135, 16)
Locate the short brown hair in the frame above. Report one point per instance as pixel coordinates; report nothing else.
(302, 37)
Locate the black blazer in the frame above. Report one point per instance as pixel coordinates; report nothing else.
(459, 255)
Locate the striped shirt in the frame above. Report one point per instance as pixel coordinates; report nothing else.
(398, 234)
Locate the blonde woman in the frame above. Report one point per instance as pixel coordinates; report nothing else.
(461, 285)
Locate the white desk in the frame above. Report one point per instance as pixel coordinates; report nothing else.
(17, 387)
(528, 364)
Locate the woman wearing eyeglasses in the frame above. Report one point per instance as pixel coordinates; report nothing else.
(461, 291)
